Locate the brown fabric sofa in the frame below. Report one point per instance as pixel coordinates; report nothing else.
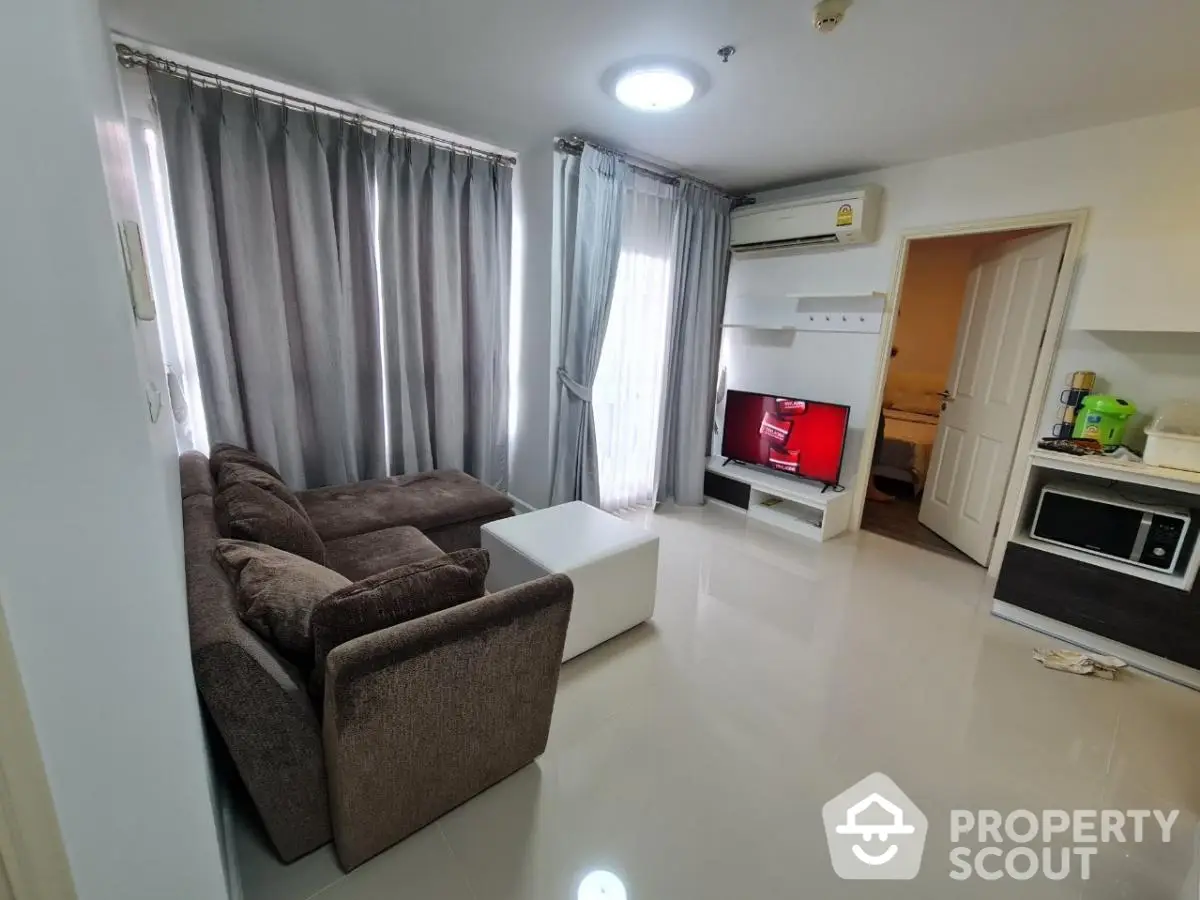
(414, 719)
(447, 506)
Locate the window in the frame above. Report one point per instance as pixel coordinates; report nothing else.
(162, 258)
(628, 390)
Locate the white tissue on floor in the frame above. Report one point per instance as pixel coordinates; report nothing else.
(1078, 663)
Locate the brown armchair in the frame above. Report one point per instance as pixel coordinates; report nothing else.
(424, 715)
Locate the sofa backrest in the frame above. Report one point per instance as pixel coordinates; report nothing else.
(257, 701)
(195, 476)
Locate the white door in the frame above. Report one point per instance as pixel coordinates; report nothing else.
(33, 861)
(1004, 316)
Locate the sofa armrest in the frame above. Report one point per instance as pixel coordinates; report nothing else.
(271, 730)
(424, 715)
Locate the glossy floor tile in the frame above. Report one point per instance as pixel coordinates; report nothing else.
(899, 519)
(691, 757)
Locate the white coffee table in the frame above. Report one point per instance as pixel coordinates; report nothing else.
(612, 563)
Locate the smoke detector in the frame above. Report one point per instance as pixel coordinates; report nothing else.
(828, 14)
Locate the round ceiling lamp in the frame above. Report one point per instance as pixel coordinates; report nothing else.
(601, 885)
(654, 90)
(655, 85)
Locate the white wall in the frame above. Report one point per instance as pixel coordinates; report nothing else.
(1145, 368)
(131, 198)
(812, 367)
(1140, 264)
(534, 331)
(1139, 268)
(91, 569)
(832, 367)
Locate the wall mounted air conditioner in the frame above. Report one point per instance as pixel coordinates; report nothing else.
(849, 217)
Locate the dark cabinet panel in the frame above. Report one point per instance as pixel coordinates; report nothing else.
(735, 493)
(1152, 617)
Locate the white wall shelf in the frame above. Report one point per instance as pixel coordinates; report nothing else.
(860, 323)
(846, 313)
(825, 300)
(755, 327)
(1119, 470)
(791, 504)
(1161, 484)
(856, 323)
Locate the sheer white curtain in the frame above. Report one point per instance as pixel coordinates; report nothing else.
(628, 391)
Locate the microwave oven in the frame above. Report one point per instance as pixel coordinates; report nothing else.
(1105, 523)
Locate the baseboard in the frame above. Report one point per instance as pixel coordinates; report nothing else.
(1138, 659)
(520, 505)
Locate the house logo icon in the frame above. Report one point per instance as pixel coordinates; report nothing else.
(875, 831)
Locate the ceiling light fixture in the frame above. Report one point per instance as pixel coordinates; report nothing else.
(654, 90)
(655, 84)
(601, 885)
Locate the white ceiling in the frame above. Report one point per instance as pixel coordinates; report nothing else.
(900, 80)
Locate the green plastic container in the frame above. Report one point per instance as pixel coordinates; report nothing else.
(1103, 419)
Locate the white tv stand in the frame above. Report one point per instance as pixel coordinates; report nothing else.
(800, 507)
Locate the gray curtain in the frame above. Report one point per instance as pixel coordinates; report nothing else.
(273, 215)
(591, 190)
(445, 224)
(701, 273)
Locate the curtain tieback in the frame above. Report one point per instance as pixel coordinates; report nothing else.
(574, 388)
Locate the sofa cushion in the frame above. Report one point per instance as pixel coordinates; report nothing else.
(249, 513)
(392, 597)
(231, 472)
(462, 535)
(426, 501)
(363, 555)
(223, 453)
(276, 593)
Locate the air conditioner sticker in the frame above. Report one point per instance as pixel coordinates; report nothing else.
(845, 215)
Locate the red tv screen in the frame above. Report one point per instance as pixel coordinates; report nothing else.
(799, 437)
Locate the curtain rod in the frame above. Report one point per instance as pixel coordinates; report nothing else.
(574, 145)
(132, 59)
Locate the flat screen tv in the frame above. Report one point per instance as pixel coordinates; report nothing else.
(804, 438)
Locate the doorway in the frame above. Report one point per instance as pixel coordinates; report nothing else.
(971, 314)
(33, 859)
